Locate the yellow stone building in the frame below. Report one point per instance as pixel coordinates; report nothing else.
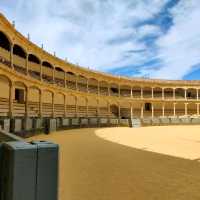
(36, 84)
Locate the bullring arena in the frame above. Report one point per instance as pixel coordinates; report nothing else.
(90, 114)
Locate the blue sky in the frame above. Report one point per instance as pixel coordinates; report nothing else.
(139, 38)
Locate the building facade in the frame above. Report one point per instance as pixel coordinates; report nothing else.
(34, 83)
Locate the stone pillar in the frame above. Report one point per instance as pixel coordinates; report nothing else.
(108, 90)
(131, 111)
(163, 110)
(87, 86)
(98, 88)
(26, 102)
(163, 93)
(53, 74)
(76, 106)
(97, 107)
(41, 71)
(86, 107)
(119, 92)
(65, 103)
(53, 109)
(142, 110)
(40, 103)
(131, 92)
(109, 109)
(11, 95)
(185, 94)
(186, 109)
(174, 109)
(197, 94)
(27, 64)
(65, 79)
(76, 82)
(152, 93)
(198, 109)
(119, 111)
(141, 93)
(11, 56)
(152, 110)
(174, 93)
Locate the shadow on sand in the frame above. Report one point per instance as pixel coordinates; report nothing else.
(92, 168)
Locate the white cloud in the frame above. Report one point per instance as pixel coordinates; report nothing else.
(179, 49)
(86, 31)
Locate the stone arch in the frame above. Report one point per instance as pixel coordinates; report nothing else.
(47, 103)
(47, 72)
(59, 104)
(147, 92)
(114, 89)
(5, 84)
(71, 80)
(82, 106)
(125, 90)
(168, 93)
(191, 93)
(103, 87)
(19, 58)
(19, 98)
(34, 66)
(34, 101)
(157, 92)
(5, 41)
(71, 105)
(82, 83)
(179, 93)
(93, 85)
(136, 91)
(60, 76)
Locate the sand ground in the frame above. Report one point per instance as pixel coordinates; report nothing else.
(150, 163)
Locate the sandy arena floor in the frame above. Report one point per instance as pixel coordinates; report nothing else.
(150, 163)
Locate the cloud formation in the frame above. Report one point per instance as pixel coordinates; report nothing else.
(152, 38)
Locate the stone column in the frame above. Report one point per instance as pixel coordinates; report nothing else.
(174, 93)
(86, 107)
(131, 92)
(141, 93)
(174, 109)
(98, 88)
(163, 93)
(185, 94)
(186, 109)
(108, 90)
(98, 108)
(53, 108)
(119, 111)
(11, 95)
(65, 103)
(11, 56)
(152, 93)
(142, 110)
(152, 110)
(27, 64)
(198, 109)
(41, 71)
(76, 106)
(163, 110)
(40, 103)
(131, 111)
(197, 94)
(119, 92)
(26, 102)
(87, 86)
(65, 79)
(53, 75)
